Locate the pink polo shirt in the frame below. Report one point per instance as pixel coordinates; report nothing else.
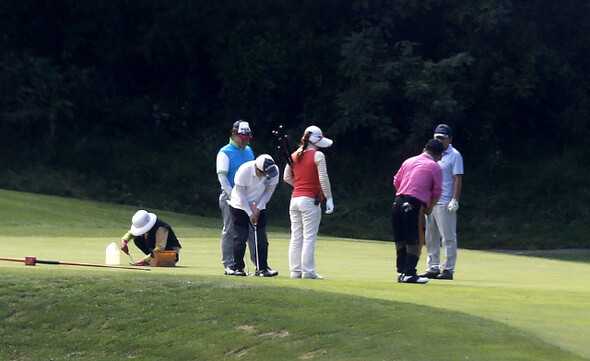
(419, 177)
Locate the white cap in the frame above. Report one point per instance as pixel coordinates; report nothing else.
(242, 129)
(266, 164)
(142, 222)
(317, 138)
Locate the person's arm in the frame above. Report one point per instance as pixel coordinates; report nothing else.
(320, 161)
(458, 186)
(453, 205)
(161, 238)
(124, 240)
(288, 175)
(265, 197)
(222, 177)
(457, 167)
(243, 199)
(128, 236)
(222, 168)
(397, 178)
(436, 187)
(428, 210)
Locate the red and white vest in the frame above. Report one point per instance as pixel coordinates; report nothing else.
(306, 182)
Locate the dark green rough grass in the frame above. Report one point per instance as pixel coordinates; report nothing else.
(117, 317)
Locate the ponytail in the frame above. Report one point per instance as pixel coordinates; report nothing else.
(304, 144)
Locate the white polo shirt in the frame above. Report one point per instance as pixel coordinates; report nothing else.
(255, 186)
(451, 164)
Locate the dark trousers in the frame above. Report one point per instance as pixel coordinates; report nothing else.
(408, 232)
(242, 226)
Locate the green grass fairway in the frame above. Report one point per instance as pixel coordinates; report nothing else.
(499, 307)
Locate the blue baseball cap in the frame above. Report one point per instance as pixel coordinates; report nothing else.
(443, 130)
(266, 164)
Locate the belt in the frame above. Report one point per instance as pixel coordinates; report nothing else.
(407, 197)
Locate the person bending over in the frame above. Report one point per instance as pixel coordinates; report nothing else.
(418, 185)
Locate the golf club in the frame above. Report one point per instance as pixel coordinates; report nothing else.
(256, 241)
(284, 146)
(132, 260)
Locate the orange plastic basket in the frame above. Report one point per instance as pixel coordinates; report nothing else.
(163, 259)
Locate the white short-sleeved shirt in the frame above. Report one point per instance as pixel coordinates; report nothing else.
(451, 164)
(222, 163)
(254, 185)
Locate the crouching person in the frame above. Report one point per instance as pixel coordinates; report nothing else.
(150, 234)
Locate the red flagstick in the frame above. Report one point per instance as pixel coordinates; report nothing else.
(32, 261)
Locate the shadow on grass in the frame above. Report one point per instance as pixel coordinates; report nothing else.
(572, 255)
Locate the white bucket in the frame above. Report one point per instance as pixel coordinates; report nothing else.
(113, 256)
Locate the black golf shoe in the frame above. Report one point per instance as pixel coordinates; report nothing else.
(266, 273)
(445, 275)
(272, 272)
(430, 274)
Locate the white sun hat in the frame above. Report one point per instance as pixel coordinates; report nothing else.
(142, 222)
(317, 138)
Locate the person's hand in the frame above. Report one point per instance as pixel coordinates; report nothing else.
(254, 219)
(124, 247)
(143, 262)
(254, 216)
(329, 205)
(453, 205)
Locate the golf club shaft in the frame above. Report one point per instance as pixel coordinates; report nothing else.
(256, 239)
(256, 244)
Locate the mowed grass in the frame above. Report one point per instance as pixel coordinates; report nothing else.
(499, 307)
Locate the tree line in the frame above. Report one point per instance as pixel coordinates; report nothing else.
(129, 101)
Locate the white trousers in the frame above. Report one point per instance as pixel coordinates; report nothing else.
(305, 221)
(441, 229)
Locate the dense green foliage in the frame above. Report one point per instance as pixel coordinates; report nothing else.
(129, 101)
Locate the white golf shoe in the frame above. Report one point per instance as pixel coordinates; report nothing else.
(312, 276)
(413, 279)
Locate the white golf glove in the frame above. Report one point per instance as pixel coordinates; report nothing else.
(453, 205)
(329, 205)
